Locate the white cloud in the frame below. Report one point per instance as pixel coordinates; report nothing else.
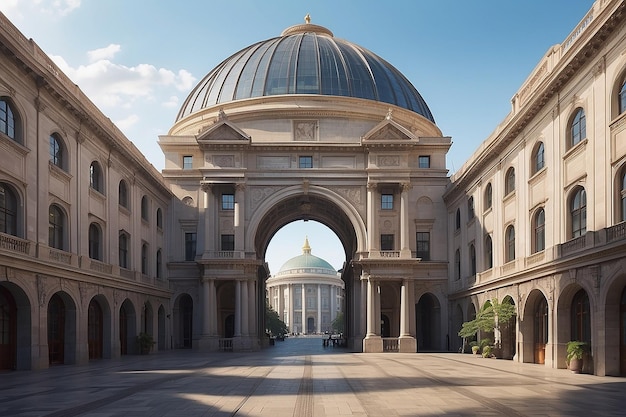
(58, 7)
(110, 84)
(171, 102)
(11, 9)
(104, 53)
(127, 122)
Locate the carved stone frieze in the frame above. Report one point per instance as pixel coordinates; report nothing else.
(259, 194)
(388, 161)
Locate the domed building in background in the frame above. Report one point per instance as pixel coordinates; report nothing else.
(307, 293)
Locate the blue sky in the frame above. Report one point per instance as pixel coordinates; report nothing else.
(138, 60)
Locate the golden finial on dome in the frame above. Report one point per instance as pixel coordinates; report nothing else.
(306, 248)
(307, 18)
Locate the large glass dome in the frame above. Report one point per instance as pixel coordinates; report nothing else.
(305, 59)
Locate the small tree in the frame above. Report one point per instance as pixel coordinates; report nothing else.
(273, 324)
(338, 323)
(489, 319)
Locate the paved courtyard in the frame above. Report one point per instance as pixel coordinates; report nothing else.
(301, 378)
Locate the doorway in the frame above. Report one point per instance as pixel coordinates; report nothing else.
(95, 330)
(8, 329)
(56, 330)
(540, 331)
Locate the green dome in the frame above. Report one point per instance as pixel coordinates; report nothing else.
(307, 263)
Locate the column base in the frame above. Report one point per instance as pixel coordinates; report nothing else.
(373, 344)
(407, 344)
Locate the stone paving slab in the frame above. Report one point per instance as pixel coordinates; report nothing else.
(298, 377)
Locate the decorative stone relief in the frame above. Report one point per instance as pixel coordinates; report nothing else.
(227, 161)
(41, 290)
(259, 194)
(388, 161)
(351, 194)
(304, 130)
(188, 201)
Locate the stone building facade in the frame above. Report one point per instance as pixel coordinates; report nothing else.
(96, 246)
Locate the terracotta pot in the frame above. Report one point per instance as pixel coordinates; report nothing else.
(576, 365)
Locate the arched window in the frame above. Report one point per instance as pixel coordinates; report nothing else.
(56, 227)
(472, 253)
(95, 242)
(123, 194)
(95, 177)
(123, 250)
(623, 195)
(457, 219)
(581, 317)
(509, 251)
(538, 158)
(159, 218)
(159, 262)
(8, 210)
(144, 208)
(488, 252)
(144, 258)
(470, 209)
(509, 181)
(539, 225)
(57, 151)
(9, 120)
(578, 127)
(457, 265)
(488, 196)
(578, 212)
(622, 97)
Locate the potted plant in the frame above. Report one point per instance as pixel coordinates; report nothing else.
(145, 342)
(475, 347)
(575, 353)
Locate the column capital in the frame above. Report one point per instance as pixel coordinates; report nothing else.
(206, 187)
(372, 185)
(406, 186)
(240, 186)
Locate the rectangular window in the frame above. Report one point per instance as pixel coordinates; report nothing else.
(423, 245)
(424, 161)
(386, 242)
(228, 201)
(228, 242)
(386, 201)
(305, 162)
(187, 162)
(190, 246)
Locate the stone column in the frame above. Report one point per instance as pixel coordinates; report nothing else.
(206, 306)
(406, 342)
(319, 308)
(213, 307)
(207, 238)
(303, 312)
(281, 303)
(371, 308)
(372, 342)
(237, 308)
(244, 308)
(290, 315)
(405, 251)
(238, 220)
(372, 226)
(252, 311)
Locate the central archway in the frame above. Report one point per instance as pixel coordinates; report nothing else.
(332, 210)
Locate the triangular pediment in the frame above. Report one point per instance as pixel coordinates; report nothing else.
(223, 131)
(389, 131)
